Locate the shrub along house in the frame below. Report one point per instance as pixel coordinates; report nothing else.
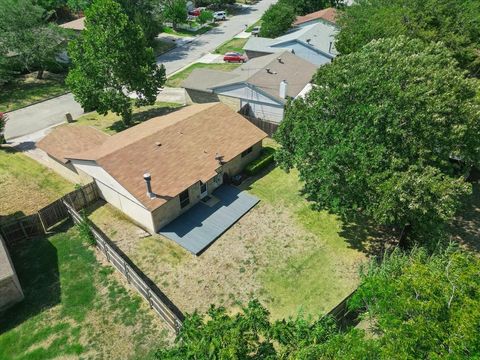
(157, 170)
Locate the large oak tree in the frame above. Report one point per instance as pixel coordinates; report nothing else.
(454, 22)
(378, 132)
(112, 60)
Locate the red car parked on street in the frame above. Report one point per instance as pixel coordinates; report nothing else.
(234, 57)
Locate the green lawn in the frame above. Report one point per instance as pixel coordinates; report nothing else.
(74, 308)
(112, 123)
(27, 186)
(231, 45)
(187, 33)
(314, 269)
(162, 46)
(250, 28)
(26, 90)
(176, 79)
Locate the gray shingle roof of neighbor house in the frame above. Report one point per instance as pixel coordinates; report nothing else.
(318, 36)
(264, 72)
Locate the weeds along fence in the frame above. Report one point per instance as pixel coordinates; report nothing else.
(156, 299)
(29, 226)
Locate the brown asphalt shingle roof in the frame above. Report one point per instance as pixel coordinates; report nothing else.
(67, 140)
(295, 70)
(328, 14)
(177, 149)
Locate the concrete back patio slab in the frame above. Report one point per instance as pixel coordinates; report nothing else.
(200, 226)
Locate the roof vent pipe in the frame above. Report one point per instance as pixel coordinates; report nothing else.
(330, 47)
(148, 178)
(283, 89)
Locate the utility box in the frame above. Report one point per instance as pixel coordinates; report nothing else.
(69, 117)
(10, 289)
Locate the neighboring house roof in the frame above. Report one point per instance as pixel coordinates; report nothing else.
(66, 140)
(293, 69)
(328, 14)
(77, 24)
(177, 149)
(319, 37)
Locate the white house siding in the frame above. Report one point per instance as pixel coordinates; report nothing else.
(315, 57)
(116, 195)
(263, 106)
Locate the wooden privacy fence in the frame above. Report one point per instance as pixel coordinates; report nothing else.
(38, 224)
(267, 126)
(157, 301)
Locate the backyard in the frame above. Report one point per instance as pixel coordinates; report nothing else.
(289, 256)
(27, 186)
(27, 89)
(75, 307)
(177, 79)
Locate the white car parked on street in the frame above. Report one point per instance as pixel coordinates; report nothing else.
(220, 15)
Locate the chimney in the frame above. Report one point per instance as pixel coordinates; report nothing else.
(330, 47)
(148, 178)
(283, 89)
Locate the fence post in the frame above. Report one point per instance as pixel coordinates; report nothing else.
(149, 296)
(41, 222)
(125, 267)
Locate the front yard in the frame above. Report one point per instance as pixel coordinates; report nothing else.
(27, 186)
(289, 256)
(75, 307)
(233, 45)
(177, 79)
(112, 123)
(27, 89)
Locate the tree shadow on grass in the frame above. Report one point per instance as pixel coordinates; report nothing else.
(36, 263)
(142, 116)
(466, 227)
(362, 234)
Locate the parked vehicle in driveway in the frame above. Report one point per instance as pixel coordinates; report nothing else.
(256, 31)
(234, 57)
(220, 15)
(195, 12)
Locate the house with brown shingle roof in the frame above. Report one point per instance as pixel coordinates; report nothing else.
(328, 15)
(264, 84)
(157, 170)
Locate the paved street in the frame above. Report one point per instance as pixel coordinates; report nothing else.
(40, 116)
(201, 45)
(43, 115)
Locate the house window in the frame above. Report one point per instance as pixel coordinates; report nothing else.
(246, 152)
(184, 199)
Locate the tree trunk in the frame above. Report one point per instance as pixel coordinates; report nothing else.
(403, 241)
(40, 74)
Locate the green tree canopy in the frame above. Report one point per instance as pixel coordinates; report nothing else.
(454, 22)
(277, 20)
(302, 7)
(111, 60)
(175, 11)
(145, 13)
(378, 130)
(27, 37)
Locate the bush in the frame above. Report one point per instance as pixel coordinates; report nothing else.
(85, 230)
(265, 159)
